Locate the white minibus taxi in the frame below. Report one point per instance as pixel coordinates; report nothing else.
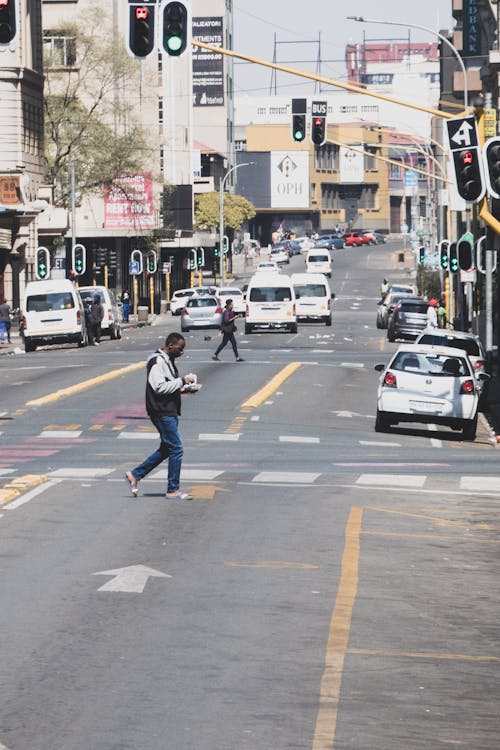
(270, 303)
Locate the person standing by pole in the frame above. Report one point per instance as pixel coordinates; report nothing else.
(163, 405)
(228, 328)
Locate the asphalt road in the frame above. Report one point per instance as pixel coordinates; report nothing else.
(327, 588)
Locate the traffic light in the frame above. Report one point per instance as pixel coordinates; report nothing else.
(491, 155)
(135, 265)
(42, 269)
(465, 255)
(8, 27)
(192, 260)
(318, 130)
(175, 28)
(469, 174)
(452, 256)
(421, 255)
(216, 250)
(299, 111)
(443, 255)
(152, 262)
(200, 257)
(141, 31)
(79, 259)
(225, 244)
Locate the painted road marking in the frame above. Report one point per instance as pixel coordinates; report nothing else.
(379, 444)
(60, 434)
(27, 496)
(358, 365)
(398, 480)
(79, 473)
(338, 636)
(2, 473)
(131, 579)
(219, 436)
(84, 385)
(138, 436)
(289, 477)
(298, 439)
(267, 390)
(491, 484)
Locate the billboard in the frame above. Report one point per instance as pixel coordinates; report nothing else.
(352, 165)
(290, 179)
(208, 67)
(128, 202)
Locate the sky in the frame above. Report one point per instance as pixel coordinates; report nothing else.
(257, 22)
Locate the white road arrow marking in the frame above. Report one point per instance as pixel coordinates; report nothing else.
(131, 579)
(462, 136)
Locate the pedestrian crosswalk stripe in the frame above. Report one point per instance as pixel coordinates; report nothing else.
(219, 436)
(479, 483)
(399, 480)
(138, 435)
(79, 473)
(6, 471)
(298, 439)
(60, 434)
(187, 475)
(290, 477)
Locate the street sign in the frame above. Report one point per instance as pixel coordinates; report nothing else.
(463, 140)
(134, 268)
(166, 267)
(462, 132)
(319, 108)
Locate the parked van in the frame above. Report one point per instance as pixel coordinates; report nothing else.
(110, 324)
(270, 303)
(313, 297)
(318, 261)
(52, 314)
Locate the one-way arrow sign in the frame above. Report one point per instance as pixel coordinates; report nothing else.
(131, 579)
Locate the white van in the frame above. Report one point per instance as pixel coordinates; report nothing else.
(318, 261)
(270, 303)
(110, 325)
(313, 297)
(52, 314)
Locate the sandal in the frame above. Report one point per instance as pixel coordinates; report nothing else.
(179, 495)
(132, 483)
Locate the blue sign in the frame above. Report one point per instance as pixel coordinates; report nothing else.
(133, 268)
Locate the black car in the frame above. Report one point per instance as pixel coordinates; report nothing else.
(408, 319)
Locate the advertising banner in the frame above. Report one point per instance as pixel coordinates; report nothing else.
(208, 67)
(352, 165)
(128, 203)
(290, 179)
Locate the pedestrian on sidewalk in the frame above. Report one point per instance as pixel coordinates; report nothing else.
(96, 316)
(163, 405)
(125, 305)
(5, 322)
(432, 318)
(228, 329)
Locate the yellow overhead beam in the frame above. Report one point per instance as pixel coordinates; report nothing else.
(322, 79)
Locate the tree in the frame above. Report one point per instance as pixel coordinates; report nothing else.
(237, 210)
(88, 120)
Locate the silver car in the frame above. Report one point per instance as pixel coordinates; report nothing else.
(201, 312)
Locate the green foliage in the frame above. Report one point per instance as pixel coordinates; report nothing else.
(237, 210)
(429, 282)
(87, 119)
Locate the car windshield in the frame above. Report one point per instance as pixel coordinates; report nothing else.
(437, 365)
(46, 302)
(184, 294)
(202, 302)
(270, 294)
(230, 293)
(407, 307)
(310, 290)
(467, 345)
(89, 296)
(318, 259)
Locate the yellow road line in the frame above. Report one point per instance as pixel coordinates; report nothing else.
(261, 395)
(84, 385)
(15, 487)
(338, 638)
(421, 654)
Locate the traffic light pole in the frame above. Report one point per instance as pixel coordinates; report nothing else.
(221, 217)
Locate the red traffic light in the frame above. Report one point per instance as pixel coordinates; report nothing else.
(467, 157)
(141, 12)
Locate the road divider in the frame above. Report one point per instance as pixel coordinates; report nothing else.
(84, 385)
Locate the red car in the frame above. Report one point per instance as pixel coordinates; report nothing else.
(354, 239)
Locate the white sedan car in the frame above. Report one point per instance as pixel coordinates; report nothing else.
(179, 299)
(429, 384)
(234, 293)
(279, 255)
(266, 266)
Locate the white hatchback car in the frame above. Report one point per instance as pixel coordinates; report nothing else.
(429, 384)
(267, 265)
(179, 299)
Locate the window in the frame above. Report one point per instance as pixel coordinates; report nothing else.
(59, 49)
(46, 302)
(370, 161)
(395, 172)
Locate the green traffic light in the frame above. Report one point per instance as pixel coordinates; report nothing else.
(174, 43)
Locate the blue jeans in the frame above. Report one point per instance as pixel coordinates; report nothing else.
(170, 447)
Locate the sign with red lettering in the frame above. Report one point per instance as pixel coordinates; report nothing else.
(128, 202)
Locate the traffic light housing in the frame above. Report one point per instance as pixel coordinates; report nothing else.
(469, 174)
(216, 250)
(79, 259)
(452, 256)
(8, 25)
(298, 127)
(175, 28)
(42, 268)
(152, 263)
(200, 257)
(421, 255)
(192, 261)
(491, 155)
(465, 255)
(225, 245)
(318, 130)
(443, 255)
(141, 36)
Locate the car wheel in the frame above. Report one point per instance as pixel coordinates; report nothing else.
(112, 333)
(328, 321)
(469, 428)
(293, 328)
(119, 332)
(185, 330)
(382, 424)
(379, 323)
(248, 328)
(391, 337)
(28, 345)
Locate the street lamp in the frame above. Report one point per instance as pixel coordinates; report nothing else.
(221, 215)
(362, 19)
